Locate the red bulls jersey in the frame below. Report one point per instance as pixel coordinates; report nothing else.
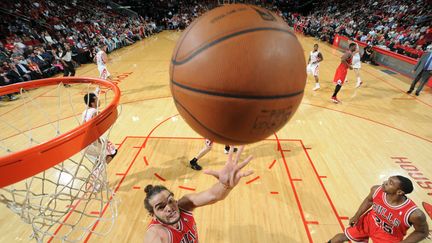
(392, 220)
(187, 231)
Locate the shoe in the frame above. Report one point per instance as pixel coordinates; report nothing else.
(12, 98)
(409, 91)
(194, 164)
(66, 85)
(335, 100)
(317, 87)
(359, 84)
(417, 93)
(227, 148)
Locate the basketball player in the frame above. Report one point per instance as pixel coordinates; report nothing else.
(94, 149)
(341, 71)
(208, 146)
(315, 57)
(386, 214)
(173, 221)
(356, 64)
(101, 61)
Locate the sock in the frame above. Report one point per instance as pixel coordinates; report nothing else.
(227, 147)
(359, 80)
(337, 88)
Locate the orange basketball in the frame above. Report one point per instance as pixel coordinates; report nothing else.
(237, 74)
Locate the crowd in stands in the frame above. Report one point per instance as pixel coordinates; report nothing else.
(396, 25)
(38, 33)
(35, 34)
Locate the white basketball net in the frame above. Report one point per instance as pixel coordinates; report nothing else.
(67, 201)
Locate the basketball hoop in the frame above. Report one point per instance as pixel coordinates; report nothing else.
(47, 176)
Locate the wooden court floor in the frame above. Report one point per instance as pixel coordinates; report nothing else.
(310, 177)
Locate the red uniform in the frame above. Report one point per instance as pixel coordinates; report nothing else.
(186, 234)
(342, 71)
(383, 223)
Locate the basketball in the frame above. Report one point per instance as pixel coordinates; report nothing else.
(237, 74)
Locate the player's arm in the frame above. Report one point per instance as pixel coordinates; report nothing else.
(421, 228)
(228, 178)
(104, 58)
(344, 59)
(320, 57)
(156, 234)
(364, 206)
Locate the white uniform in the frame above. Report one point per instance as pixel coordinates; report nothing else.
(356, 63)
(103, 71)
(313, 66)
(94, 149)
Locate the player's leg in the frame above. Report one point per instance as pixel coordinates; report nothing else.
(315, 73)
(194, 162)
(336, 91)
(339, 238)
(359, 232)
(359, 81)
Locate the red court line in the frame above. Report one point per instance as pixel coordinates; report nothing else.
(187, 188)
(159, 177)
(186, 138)
(296, 179)
(37, 96)
(323, 187)
(95, 213)
(201, 138)
(146, 99)
(312, 222)
(45, 124)
(404, 98)
(145, 161)
(18, 106)
(271, 165)
(343, 218)
(123, 178)
(254, 179)
(388, 83)
(308, 148)
(120, 174)
(322, 176)
(274, 192)
(136, 136)
(121, 144)
(67, 217)
(394, 86)
(136, 187)
(295, 192)
(154, 128)
(286, 150)
(370, 120)
(136, 147)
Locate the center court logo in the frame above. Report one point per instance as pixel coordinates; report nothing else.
(418, 176)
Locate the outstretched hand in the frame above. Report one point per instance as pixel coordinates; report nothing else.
(231, 173)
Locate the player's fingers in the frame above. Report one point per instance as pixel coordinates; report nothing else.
(230, 154)
(246, 173)
(239, 152)
(212, 172)
(244, 163)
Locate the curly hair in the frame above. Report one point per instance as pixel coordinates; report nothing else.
(151, 191)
